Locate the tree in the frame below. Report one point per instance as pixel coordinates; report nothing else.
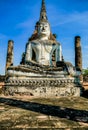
(85, 72)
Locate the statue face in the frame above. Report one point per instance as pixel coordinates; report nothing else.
(44, 29)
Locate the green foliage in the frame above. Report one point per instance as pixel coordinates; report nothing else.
(85, 72)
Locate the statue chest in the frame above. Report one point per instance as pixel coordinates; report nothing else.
(42, 47)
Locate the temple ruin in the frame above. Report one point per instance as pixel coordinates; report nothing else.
(43, 72)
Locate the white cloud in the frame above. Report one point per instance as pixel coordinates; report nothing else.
(74, 17)
(27, 24)
(32, 19)
(58, 18)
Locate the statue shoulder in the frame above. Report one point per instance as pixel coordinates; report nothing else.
(30, 43)
(54, 42)
(58, 43)
(33, 41)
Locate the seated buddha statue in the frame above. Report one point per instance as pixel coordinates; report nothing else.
(42, 71)
(42, 46)
(42, 51)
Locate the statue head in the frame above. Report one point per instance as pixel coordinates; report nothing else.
(43, 29)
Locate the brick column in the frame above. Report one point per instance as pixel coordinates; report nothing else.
(78, 55)
(9, 58)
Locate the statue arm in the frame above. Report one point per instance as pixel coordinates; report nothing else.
(59, 53)
(28, 56)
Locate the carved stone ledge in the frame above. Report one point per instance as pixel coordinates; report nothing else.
(42, 82)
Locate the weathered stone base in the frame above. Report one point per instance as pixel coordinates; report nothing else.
(43, 91)
(44, 87)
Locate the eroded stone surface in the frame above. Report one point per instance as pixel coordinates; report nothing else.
(24, 112)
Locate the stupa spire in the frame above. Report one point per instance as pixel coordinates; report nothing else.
(43, 16)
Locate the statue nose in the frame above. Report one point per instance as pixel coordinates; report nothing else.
(43, 28)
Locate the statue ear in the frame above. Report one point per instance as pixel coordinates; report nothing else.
(49, 37)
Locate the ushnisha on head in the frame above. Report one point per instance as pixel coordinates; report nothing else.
(42, 28)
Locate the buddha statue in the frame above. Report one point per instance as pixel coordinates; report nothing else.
(42, 46)
(42, 71)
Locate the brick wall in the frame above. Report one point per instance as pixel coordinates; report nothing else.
(85, 85)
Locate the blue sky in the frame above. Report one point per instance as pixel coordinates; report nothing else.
(67, 18)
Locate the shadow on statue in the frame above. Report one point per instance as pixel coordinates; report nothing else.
(57, 111)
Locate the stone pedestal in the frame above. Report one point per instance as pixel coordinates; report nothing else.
(43, 87)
